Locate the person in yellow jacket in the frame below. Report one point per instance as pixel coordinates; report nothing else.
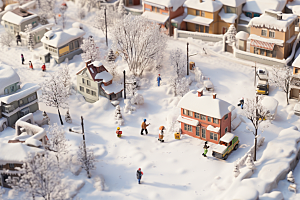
(144, 127)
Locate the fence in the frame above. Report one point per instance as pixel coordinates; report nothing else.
(196, 35)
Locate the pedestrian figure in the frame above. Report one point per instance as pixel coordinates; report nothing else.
(241, 103)
(161, 133)
(18, 39)
(118, 132)
(205, 147)
(30, 65)
(139, 175)
(23, 59)
(158, 80)
(44, 67)
(144, 127)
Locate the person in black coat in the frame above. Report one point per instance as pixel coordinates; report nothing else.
(139, 175)
(18, 38)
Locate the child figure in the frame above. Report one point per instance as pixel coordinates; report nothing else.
(44, 67)
(23, 59)
(139, 175)
(241, 102)
(161, 133)
(119, 133)
(158, 80)
(205, 147)
(30, 65)
(144, 127)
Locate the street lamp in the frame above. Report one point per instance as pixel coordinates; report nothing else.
(187, 58)
(134, 83)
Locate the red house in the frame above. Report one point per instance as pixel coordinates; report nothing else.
(205, 117)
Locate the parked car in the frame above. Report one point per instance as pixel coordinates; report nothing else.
(226, 144)
(262, 87)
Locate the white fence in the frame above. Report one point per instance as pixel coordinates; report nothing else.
(196, 35)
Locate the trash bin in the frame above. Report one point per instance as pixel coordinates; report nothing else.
(177, 136)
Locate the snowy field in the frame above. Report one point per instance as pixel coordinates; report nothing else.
(174, 169)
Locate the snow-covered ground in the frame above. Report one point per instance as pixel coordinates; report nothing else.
(174, 169)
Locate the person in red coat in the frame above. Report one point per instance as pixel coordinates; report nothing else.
(30, 65)
(44, 67)
(139, 175)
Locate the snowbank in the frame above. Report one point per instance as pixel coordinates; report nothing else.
(242, 35)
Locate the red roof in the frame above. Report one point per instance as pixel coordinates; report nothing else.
(262, 45)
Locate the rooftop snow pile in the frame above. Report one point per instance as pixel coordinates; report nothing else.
(174, 4)
(112, 88)
(232, 3)
(207, 5)
(61, 38)
(242, 35)
(228, 17)
(105, 76)
(11, 17)
(8, 76)
(198, 20)
(217, 108)
(267, 21)
(259, 6)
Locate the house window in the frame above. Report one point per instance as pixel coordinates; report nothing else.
(184, 111)
(71, 46)
(216, 121)
(226, 116)
(272, 34)
(201, 28)
(274, 54)
(64, 50)
(226, 129)
(24, 111)
(202, 14)
(196, 115)
(197, 13)
(203, 117)
(211, 135)
(209, 119)
(130, 2)
(88, 91)
(76, 44)
(6, 91)
(152, 8)
(5, 25)
(203, 133)
(269, 53)
(21, 102)
(147, 9)
(256, 15)
(11, 166)
(197, 27)
(88, 82)
(264, 32)
(215, 137)
(81, 88)
(249, 14)
(164, 13)
(93, 93)
(262, 52)
(190, 113)
(158, 10)
(31, 98)
(230, 9)
(206, 29)
(11, 27)
(188, 127)
(296, 71)
(255, 50)
(197, 131)
(83, 81)
(12, 88)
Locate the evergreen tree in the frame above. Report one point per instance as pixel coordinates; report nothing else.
(111, 56)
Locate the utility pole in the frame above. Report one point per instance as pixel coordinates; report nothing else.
(124, 85)
(187, 58)
(254, 73)
(256, 123)
(84, 145)
(105, 26)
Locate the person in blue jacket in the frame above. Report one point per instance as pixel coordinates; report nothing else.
(158, 80)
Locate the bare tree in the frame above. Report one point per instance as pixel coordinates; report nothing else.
(138, 40)
(255, 112)
(91, 4)
(6, 38)
(281, 78)
(90, 49)
(63, 9)
(99, 19)
(86, 158)
(54, 93)
(121, 8)
(48, 7)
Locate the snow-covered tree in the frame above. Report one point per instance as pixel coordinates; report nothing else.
(63, 9)
(6, 38)
(47, 7)
(231, 33)
(57, 141)
(281, 77)
(30, 40)
(138, 40)
(236, 170)
(137, 99)
(121, 9)
(91, 4)
(2, 191)
(54, 93)
(99, 19)
(290, 177)
(86, 158)
(249, 162)
(66, 78)
(255, 112)
(81, 13)
(90, 49)
(111, 56)
(68, 117)
(182, 86)
(112, 69)
(178, 62)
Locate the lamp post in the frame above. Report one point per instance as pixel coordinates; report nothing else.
(105, 26)
(187, 58)
(84, 145)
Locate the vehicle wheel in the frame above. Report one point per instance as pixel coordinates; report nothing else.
(236, 147)
(225, 157)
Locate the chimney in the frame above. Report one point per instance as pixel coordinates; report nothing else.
(214, 95)
(200, 92)
(87, 63)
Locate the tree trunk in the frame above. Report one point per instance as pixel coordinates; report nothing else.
(60, 117)
(255, 144)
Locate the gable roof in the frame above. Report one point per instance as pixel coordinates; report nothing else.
(17, 16)
(259, 6)
(205, 105)
(97, 71)
(8, 76)
(207, 5)
(232, 3)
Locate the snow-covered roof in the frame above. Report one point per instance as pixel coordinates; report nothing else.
(28, 5)
(208, 84)
(220, 148)
(269, 40)
(188, 121)
(293, 3)
(207, 5)
(105, 76)
(259, 6)
(296, 10)
(232, 3)
(96, 63)
(174, 4)
(217, 108)
(17, 19)
(227, 137)
(228, 17)
(33, 142)
(270, 104)
(11, 6)
(244, 17)
(112, 88)
(267, 21)
(8, 76)
(179, 19)
(242, 35)
(213, 129)
(160, 18)
(296, 62)
(61, 38)
(198, 20)
(27, 89)
(16, 152)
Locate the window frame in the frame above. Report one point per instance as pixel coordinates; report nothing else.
(264, 31)
(11, 165)
(203, 132)
(202, 13)
(190, 113)
(273, 32)
(88, 82)
(226, 116)
(209, 119)
(198, 131)
(206, 29)
(93, 93)
(226, 129)
(88, 91)
(81, 89)
(215, 120)
(262, 52)
(203, 117)
(255, 50)
(215, 137)
(196, 115)
(197, 12)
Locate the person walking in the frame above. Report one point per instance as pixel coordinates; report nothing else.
(139, 175)
(161, 133)
(118, 132)
(241, 103)
(18, 39)
(158, 80)
(30, 65)
(44, 67)
(205, 147)
(23, 59)
(144, 127)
